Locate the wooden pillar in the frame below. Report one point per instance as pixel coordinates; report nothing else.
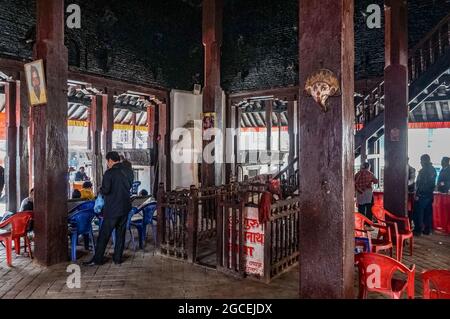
(12, 107)
(163, 145)
(230, 157)
(23, 160)
(108, 121)
(396, 107)
(268, 108)
(50, 138)
(291, 132)
(96, 131)
(326, 153)
(212, 93)
(151, 144)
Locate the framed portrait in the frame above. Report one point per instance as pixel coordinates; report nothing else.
(209, 120)
(37, 90)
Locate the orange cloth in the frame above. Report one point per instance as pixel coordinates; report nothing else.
(264, 207)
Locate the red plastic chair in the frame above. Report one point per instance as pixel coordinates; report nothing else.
(383, 242)
(440, 280)
(19, 228)
(400, 229)
(376, 274)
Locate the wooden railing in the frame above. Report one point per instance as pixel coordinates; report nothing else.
(185, 219)
(280, 235)
(421, 57)
(188, 217)
(175, 224)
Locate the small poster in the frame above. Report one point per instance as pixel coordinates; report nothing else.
(209, 120)
(37, 91)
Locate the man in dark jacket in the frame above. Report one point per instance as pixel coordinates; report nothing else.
(423, 207)
(444, 176)
(116, 186)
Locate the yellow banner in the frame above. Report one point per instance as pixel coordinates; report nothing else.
(123, 127)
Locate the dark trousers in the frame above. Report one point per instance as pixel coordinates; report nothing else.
(423, 215)
(366, 210)
(119, 224)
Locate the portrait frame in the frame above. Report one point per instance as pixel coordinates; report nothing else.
(208, 120)
(34, 91)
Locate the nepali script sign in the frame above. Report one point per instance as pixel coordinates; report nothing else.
(253, 242)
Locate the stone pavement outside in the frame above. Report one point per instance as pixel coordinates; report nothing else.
(147, 275)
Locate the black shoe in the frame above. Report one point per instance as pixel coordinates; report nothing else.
(91, 262)
(427, 233)
(117, 262)
(417, 234)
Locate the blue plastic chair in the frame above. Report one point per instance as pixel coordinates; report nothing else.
(135, 187)
(148, 218)
(80, 223)
(86, 205)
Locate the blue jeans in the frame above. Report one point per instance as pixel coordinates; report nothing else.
(423, 215)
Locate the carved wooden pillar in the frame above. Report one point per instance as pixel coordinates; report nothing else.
(326, 238)
(96, 135)
(50, 138)
(212, 93)
(396, 107)
(12, 107)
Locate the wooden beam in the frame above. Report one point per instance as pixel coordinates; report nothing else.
(11, 108)
(286, 94)
(49, 139)
(396, 107)
(212, 93)
(326, 237)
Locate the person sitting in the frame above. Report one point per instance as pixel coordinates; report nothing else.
(87, 192)
(143, 193)
(76, 194)
(27, 203)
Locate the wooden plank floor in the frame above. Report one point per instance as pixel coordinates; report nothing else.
(147, 275)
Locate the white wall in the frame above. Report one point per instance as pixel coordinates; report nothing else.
(185, 107)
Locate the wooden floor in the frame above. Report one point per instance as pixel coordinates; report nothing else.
(146, 275)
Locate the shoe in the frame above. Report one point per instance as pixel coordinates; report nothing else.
(91, 263)
(117, 262)
(427, 233)
(417, 234)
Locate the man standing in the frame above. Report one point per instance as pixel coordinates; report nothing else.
(443, 185)
(116, 186)
(364, 180)
(423, 207)
(81, 176)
